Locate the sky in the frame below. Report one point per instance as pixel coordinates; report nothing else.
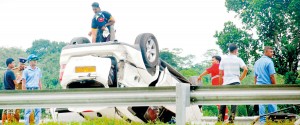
(186, 24)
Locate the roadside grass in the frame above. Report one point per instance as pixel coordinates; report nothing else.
(104, 121)
(109, 121)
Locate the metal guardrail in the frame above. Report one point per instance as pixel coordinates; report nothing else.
(239, 95)
(74, 98)
(183, 95)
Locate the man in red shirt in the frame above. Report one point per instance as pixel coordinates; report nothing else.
(214, 72)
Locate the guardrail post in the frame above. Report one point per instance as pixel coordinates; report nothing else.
(182, 101)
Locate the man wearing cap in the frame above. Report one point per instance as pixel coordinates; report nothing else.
(100, 21)
(18, 71)
(9, 84)
(31, 80)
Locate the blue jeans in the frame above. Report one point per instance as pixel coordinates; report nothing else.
(271, 108)
(37, 111)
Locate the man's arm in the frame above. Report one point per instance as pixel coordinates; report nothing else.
(220, 77)
(94, 35)
(111, 21)
(15, 82)
(245, 71)
(272, 72)
(24, 74)
(23, 84)
(273, 80)
(255, 80)
(110, 18)
(203, 74)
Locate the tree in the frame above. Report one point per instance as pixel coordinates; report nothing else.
(277, 23)
(232, 34)
(184, 64)
(174, 58)
(208, 56)
(42, 47)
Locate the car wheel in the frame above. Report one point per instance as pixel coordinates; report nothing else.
(149, 49)
(79, 40)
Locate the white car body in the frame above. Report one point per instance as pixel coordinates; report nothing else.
(129, 71)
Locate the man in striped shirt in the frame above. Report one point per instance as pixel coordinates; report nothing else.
(230, 66)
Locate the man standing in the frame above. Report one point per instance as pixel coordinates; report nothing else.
(231, 65)
(18, 71)
(265, 75)
(214, 72)
(31, 80)
(9, 84)
(100, 21)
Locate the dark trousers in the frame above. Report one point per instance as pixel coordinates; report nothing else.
(223, 108)
(100, 38)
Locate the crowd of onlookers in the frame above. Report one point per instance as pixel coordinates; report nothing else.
(226, 71)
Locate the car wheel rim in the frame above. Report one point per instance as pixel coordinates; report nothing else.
(151, 50)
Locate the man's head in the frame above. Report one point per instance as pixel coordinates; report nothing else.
(216, 59)
(22, 63)
(32, 59)
(233, 49)
(268, 51)
(96, 7)
(10, 63)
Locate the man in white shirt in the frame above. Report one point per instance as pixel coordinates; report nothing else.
(231, 65)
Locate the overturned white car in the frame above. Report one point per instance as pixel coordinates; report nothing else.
(115, 64)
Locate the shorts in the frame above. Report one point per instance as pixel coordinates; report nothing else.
(8, 111)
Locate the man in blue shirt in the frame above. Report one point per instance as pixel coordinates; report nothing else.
(31, 80)
(100, 21)
(9, 84)
(264, 75)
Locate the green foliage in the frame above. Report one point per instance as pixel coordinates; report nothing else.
(232, 34)
(208, 57)
(277, 24)
(43, 47)
(242, 110)
(295, 109)
(174, 58)
(188, 72)
(210, 110)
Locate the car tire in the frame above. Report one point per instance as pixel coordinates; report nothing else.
(79, 40)
(149, 49)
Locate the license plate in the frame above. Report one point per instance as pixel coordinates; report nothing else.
(83, 69)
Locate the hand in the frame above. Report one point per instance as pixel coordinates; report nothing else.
(90, 33)
(103, 28)
(199, 79)
(19, 78)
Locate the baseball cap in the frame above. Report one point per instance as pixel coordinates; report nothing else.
(95, 5)
(32, 57)
(22, 60)
(9, 61)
